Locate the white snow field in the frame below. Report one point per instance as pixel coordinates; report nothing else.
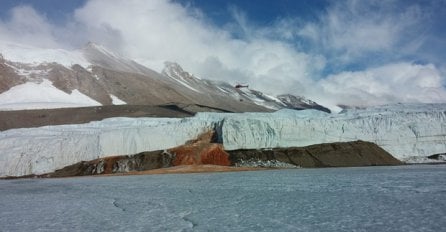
(403, 198)
(117, 101)
(33, 55)
(406, 131)
(43, 95)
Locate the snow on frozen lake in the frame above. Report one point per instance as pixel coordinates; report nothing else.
(405, 198)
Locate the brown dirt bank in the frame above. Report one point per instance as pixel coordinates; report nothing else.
(204, 155)
(199, 156)
(44, 117)
(341, 154)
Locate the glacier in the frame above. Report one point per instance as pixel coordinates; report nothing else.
(40, 150)
(407, 131)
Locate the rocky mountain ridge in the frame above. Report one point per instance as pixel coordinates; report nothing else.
(94, 76)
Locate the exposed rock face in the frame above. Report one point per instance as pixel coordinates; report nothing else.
(347, 154)
(438, 157)
(8, 77)
(116, 164)
(79, 78)
(300, 103)
(195, 152)
(196, 155)
(202, 151)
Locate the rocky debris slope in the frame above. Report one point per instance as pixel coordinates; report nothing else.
(203, 152)
(116, 164)
(38, 118)
(346, 154)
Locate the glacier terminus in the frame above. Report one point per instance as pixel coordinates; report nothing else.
(410, 132)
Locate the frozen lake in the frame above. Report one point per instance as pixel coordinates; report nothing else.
(409, 198)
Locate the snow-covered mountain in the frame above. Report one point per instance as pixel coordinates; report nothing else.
(408, 132)
(34, 78)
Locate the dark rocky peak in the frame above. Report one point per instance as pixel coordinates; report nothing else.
(300, 103)
(103, 57)
(93, 47)
(174, 70)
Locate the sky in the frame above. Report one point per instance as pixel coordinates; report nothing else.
(354, 52)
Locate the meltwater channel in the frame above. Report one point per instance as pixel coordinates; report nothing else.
(402, 198)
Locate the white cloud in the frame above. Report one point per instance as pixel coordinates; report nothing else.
(267, 58)
(155, 31)
(399, 82)
(353, 29)
(28, 27)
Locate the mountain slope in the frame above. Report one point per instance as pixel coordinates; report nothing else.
(103, 76)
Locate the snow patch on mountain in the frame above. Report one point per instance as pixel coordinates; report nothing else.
(42, 96)
(117, 101)
(176, 73)
(100, 56)
(27, 70)
(35, 56)
(261, 99)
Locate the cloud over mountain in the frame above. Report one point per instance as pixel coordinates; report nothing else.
(354, 52)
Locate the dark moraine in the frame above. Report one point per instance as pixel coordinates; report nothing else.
(342, 154)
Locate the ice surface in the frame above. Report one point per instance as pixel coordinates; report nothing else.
(406, 131)
(42, 96)
(409, 198)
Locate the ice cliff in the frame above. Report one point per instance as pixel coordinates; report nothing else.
(406, 131)
(40, 150)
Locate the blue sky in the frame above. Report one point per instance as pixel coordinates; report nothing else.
(262, 12)
(56, 11)
(364, 52)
